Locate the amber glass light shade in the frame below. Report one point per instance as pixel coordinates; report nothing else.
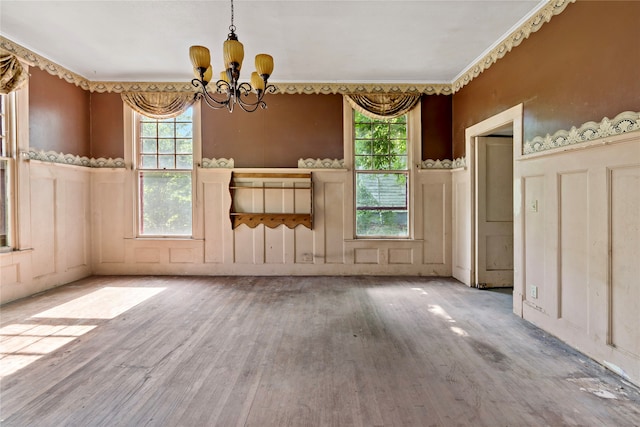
(233, 52)
(264, 64)
(224, 76)
(208, 75)
(200, 57)
(256, 81)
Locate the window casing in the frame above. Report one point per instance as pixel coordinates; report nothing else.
(7, 173)
(164, 159)
(381, 159)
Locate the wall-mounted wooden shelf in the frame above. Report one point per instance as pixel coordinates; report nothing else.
(271, 199)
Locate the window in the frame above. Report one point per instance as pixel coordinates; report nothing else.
(165, 175)
(381, 162)
(7, 164)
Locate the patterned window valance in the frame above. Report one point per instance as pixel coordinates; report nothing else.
(12, 74)
(159, 105)
(383, 106)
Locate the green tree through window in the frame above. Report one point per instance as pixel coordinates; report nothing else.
(165, 164)
(381, 175)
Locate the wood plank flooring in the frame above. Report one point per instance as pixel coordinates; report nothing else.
(292, 351)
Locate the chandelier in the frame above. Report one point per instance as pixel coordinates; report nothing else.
(229, 91)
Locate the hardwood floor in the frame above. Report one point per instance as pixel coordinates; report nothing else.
(293, 351)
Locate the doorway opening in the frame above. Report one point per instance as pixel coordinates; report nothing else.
(493, 147)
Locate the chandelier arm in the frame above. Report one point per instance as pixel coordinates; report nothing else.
(250, 107)
(244, 89)
(208, 98)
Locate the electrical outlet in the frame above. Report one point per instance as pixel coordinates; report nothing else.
(534, 292)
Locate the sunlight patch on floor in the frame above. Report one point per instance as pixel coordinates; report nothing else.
(23, 343)
(105, 303)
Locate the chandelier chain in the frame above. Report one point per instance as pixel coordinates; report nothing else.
(232, 27)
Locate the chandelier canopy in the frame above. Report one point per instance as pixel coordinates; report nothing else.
(229, 90)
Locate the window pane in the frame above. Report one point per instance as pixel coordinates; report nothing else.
(381, 190)
(363, 131)
(184, 146)
(149, 146)
(399, 146)
(363, 147)
(399, 163)
(166, 146)
(380, 163)
(361, 118)
(380, 131)
(149, 162)
(398, 131)
(184, 161)
(165, 130)
(381, 146)
(363, 162)
(148, 129)
(382, 223)
(166, 162)
(184, 130)
(165, 203)
(187, 116)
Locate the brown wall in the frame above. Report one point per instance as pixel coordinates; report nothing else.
(107, 125)
(292, 127)
(436, 127)
(58, 115)
(583, 65)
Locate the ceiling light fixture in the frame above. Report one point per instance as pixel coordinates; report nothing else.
(229, 85)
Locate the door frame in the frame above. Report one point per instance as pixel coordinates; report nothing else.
(513, 117)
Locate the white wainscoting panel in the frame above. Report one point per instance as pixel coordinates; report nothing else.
(43, 218)
(326, 249)
(461, 222)
(534, 240)
(625, 258)
(60, 229)
(582, 246)
(332, 211)
(434, 215)
(77, 226)
(215, 197)
(108, 207)
(573, 263)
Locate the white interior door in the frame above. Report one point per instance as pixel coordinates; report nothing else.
(494, 212)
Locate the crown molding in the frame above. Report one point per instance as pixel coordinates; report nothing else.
(523, 31)
(628, 121)
(360, 88)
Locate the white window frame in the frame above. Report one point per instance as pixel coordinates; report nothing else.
(414, 145)
(131, 126)
(8, 153)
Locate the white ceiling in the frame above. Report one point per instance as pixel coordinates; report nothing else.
(389, 41)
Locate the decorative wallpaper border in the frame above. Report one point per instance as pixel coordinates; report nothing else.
(628, 121)
(321, 163)
(544, 15)
(444, 163)
(70, 159)
(214, 163)
(533, 24)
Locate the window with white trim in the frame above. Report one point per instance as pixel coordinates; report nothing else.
(165, 175)
(381, 167)
(7, 173)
